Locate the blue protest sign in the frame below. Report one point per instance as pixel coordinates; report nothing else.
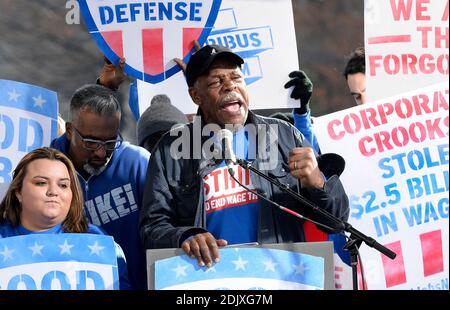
(243, 268)
(59, 261)
(28, 120)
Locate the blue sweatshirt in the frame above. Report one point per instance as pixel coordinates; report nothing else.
(113, 200)
(303, 123)
(6, 230)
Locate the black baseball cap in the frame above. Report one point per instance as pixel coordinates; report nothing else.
(202, 59)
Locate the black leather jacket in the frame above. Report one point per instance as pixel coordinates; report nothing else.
(173, 207)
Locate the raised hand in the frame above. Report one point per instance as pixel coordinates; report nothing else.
(304, 166)
(180, 61)
(303, 88)
(112, 75)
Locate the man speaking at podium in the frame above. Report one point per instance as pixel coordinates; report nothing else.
(199, 202)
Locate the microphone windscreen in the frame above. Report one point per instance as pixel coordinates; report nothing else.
(226, 136)
(331, 164)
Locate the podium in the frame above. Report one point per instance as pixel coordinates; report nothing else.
(311, 261)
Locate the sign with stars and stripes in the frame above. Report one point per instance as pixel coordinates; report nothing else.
(28, 120)
(149, 34)
(59, 261)
(243, 269)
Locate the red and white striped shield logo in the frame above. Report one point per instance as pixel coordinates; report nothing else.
(149, 34)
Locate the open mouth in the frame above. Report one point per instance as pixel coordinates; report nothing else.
(232, 106)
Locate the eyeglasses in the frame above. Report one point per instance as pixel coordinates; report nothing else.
(94, 145)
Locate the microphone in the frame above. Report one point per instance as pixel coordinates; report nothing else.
(230, 158)
(227, 140)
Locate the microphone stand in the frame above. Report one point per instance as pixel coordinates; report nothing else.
(356, 237)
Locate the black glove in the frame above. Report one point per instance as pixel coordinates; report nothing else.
(303, 88)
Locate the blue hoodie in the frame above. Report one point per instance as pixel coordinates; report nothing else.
(303, 123)
(113, 200)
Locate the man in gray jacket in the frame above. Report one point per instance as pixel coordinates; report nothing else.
(197, 203)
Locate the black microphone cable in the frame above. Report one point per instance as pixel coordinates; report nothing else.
(362, 270)
(287, 210)
(296, 214)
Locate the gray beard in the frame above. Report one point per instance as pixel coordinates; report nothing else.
(94, 171)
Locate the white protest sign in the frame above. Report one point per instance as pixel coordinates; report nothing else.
(265, 41)
(396, 177)
(150, 35)
(406, 44)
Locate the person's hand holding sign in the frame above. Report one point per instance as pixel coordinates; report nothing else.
(180, 61)
(112, 75)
